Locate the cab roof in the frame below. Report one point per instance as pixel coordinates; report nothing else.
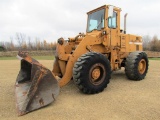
(103, 7)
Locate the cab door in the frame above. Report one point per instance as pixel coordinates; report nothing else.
(113, 29)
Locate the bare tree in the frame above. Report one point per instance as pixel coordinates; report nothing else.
(8, 46)
(12, 46)
(20, 39)
(155, 44)
(2, 43)
(38, 44)
(30, 44)
(146, 40)
(53, 46)
(45, 44)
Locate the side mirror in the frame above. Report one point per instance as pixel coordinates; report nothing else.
(110, 11)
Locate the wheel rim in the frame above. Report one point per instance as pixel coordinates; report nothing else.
(142, 66)
(97, 74)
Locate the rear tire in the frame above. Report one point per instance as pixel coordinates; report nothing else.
(136, 66)
(92, 72)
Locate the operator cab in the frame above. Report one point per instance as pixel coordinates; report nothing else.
(103, 17)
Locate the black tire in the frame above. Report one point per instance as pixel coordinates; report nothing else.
(92, 72)
(136, 66)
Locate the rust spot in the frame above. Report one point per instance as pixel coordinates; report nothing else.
(36, 96)
(41, 102)
(53, 96)
(24, 93)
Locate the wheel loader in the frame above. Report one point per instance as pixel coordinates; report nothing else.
(87, 59)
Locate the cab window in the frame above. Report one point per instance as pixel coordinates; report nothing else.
(112, 21)
(96, 20)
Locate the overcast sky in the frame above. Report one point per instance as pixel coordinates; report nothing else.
(51, 19)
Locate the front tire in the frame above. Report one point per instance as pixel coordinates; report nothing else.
(136, 66)
(92, 72)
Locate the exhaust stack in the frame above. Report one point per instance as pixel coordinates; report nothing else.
(125, 16)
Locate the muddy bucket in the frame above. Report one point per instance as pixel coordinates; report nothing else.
(35, 86)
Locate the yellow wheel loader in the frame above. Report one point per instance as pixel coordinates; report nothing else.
(88, 59)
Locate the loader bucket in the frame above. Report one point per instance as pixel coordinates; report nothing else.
(35, 86)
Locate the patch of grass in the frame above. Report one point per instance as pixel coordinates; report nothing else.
(43, 57)
(35, 57)
(47, 58)
(154, 58)
(8, 58)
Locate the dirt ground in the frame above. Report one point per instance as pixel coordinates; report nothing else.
(121, 100)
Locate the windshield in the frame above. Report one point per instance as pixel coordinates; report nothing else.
(96, 21)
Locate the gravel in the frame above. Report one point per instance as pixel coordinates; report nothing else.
(123, 99)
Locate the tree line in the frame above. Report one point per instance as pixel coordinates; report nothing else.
(26, 43)
(151, 43)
